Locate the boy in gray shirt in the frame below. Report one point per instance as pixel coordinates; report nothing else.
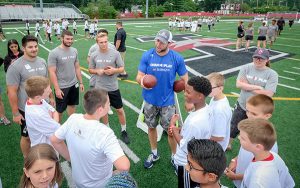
(106, 64)
(23, 68)
(64, 70)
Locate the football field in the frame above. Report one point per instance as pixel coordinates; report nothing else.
(204, 52)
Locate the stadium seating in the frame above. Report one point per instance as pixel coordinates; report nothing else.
(30, 12)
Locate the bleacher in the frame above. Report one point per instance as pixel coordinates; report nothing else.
(34, 12)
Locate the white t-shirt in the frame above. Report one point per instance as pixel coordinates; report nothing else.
(244, 159)
(93, 148)
(197, 125)
(39, 123)
(261, 174)
(285, 177)
(92, 28)
(58, 29)
(74, 25)
(221, 120)
(37, 27)
(86, 24)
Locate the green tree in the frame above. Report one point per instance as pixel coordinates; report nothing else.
(189, 6)
(211, 5)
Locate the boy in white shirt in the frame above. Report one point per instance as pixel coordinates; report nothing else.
(41, 117)
(221, 110)
(92, 29)
(74, 27)
(93, 147)
(264, 170)
(257, 106)
(206, 162)
(197, 125)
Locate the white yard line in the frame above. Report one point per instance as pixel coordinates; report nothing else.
(234, 93)
(296, 73)
(286, 77)
(296, 68)
(290, 87)
(129, 152)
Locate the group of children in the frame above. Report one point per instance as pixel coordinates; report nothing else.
(90, 30)
(190, 25)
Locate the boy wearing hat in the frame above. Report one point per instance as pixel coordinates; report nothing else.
(164, 64)
(254, 78)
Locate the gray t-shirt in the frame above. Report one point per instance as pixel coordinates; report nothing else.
(102, 60)
(272, 30)
(20, 71)
(64, 61)
(262, 30)
(266, 78)
(92, 49)
(249, 31)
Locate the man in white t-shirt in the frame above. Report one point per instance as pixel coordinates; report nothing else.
(196, 90)
(221, 110)
(92, 146)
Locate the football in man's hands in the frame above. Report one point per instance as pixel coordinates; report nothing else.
(179, 85)
(149, 81)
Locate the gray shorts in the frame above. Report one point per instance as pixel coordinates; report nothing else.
(153, 114)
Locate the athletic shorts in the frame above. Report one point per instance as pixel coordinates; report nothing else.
(262, 38)
(153, 114)
(70, 98)
(86, 30)
(271, 38)
(199, 25)
(184, 179)
(240, 35)
(24, 131)
(249, 37)
(280, 28)
(115, 99)
(238, 115)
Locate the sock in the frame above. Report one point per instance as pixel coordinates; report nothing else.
(107, 125)
(154, 151)
(172, 156)
(123, 128)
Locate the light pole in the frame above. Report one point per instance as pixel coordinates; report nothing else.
(146, 9)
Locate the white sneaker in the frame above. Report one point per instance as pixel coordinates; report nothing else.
(110, 112)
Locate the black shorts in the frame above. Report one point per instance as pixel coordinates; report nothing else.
(262, 38)
(199, 25)
(24, 131)
(183, 178)
(238, 115)
(249, 37)
(240, 35)
(280, 28)
(86, 30)
(115, 99)
(70, 98)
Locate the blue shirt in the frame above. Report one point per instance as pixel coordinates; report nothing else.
(164, 68)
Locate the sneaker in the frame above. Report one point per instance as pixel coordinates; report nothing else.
(4, 121)
(150, 160)
(124, 137)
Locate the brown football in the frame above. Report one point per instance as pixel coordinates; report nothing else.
(179, 86)
(149, 81)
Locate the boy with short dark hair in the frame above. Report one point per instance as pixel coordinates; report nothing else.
(41, 118)
(266, 169)
(197, 125)
(221, 110)
(206, 162)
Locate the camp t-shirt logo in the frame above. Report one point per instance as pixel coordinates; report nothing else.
(158, 67)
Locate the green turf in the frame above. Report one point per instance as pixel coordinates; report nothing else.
(285, 117)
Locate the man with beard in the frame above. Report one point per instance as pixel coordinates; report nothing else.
(23, 68)
(65, 75)
(163, 63)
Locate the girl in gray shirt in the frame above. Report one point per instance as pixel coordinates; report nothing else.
(249, 35)
(262, 33)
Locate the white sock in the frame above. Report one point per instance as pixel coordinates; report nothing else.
(172, 156)
(123, 128)
(154, 151)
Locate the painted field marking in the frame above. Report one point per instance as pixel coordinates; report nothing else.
(286, 77)
(290, 87)
(129, 152)
(296, 73)
(235, 94)
(68, 173)
(292, 59)
(296, 68)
